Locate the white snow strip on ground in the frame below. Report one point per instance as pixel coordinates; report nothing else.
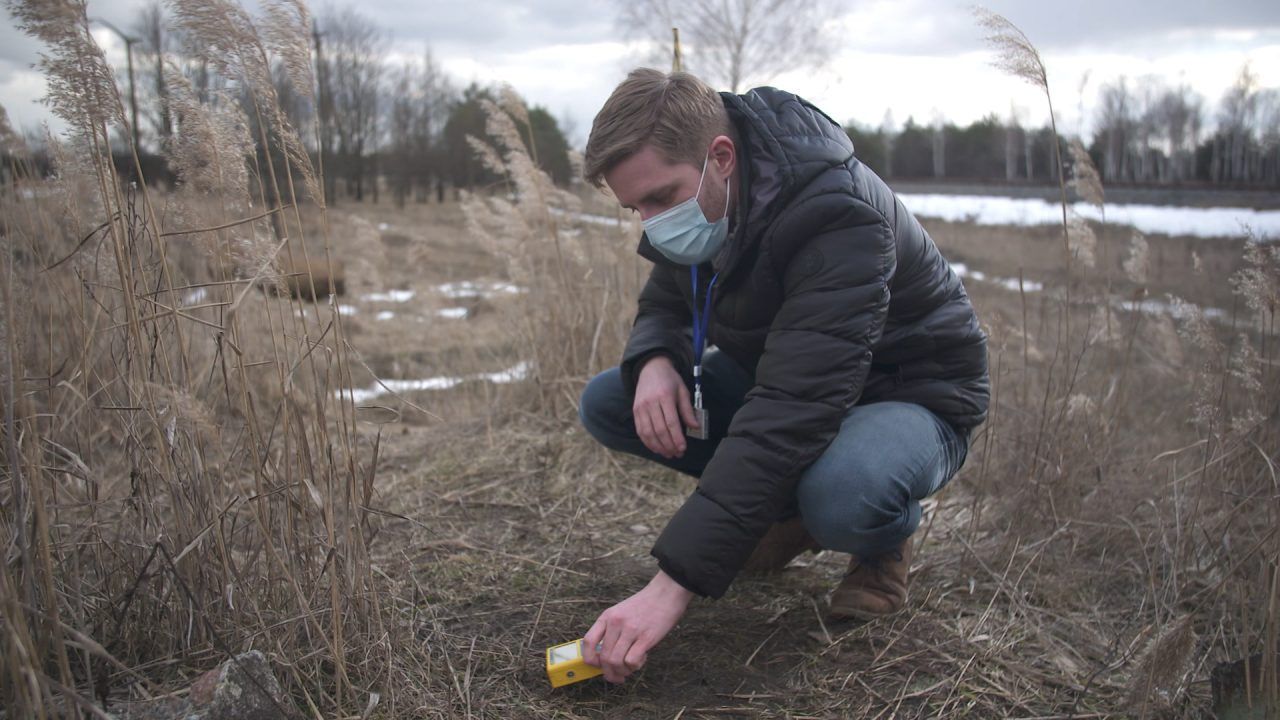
(469, 289)
(963, 271)
(455, 313)
(1159, 307)
(1150, 307)
(1164, 220)
(589, 218)
(396, 296)
(386, 315)
(515, 373)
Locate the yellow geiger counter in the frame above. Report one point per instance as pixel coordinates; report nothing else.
(565, 665)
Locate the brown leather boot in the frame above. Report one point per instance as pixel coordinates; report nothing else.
(784, 541)
(873, 588)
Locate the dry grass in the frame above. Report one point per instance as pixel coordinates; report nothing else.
(181, 481)
(575, 262)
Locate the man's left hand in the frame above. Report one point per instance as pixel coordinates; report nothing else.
(627, 631)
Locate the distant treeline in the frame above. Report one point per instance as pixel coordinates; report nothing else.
(401, 126)
(1154, 135)
(376, 125)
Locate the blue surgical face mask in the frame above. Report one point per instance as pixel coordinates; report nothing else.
(684, 234)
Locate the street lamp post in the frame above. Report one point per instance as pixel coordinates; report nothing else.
(133, 97)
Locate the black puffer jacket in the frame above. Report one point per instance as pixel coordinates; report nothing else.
(833, 295)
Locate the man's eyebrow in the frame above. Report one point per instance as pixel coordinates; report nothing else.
(657, 193)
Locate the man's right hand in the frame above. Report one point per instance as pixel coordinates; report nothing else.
(662, 401)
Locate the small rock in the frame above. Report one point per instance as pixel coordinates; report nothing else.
(640, 529)
(228, 692)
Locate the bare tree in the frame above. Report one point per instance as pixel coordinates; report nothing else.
(1178, 115)
(731, 42)
(350, 69)
(1269, 135)
(890, 133)
(402, 124)
(939, 145)
(1236, 120)
(435, 94)
(1115, 128)
(1147, 159)
(1013, 139)
(155, 45)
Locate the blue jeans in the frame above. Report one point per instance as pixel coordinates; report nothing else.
(861, 496)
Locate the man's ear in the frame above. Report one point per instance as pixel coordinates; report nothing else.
(724, 154)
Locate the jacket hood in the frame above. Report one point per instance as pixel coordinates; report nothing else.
(787, 143)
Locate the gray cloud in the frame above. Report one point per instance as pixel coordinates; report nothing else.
(1108, 24)
(943, 27)
(492, 25)
(489, 31)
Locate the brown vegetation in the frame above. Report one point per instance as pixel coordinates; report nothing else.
(182, 480)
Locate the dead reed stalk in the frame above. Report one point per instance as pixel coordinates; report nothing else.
(180, 480)
(573, 258)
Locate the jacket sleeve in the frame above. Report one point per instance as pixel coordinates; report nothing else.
(662, 326)
(816, 358)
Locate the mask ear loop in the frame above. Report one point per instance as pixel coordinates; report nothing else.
(703, 176)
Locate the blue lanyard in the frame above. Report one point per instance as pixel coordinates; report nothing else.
(700, 321)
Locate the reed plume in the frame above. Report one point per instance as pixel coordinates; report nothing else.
(1085, 180)
(1138, 263)
(1158, 679)
(82, 89)
(1016, 55)
(550, 249)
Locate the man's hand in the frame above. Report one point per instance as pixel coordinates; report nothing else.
(662, 401)
(627, 631)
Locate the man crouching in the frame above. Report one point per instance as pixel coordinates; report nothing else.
(801, 347)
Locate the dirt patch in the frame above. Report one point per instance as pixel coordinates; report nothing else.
(519, 539)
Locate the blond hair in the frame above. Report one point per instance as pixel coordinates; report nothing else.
(676, 113)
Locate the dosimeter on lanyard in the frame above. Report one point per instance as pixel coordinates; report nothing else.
(565, 665)
(700, 322)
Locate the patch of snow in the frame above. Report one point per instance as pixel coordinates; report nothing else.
(386, 315)
(396, 296)
(1156, 219)
(1159, 307)
(963, 271)
(384, 226)
(591, 219)
(470, 289)
(196, 296)
(455, 313)
(348, 310)
(517, 372)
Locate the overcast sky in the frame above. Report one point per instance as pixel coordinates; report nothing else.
(917, 58)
